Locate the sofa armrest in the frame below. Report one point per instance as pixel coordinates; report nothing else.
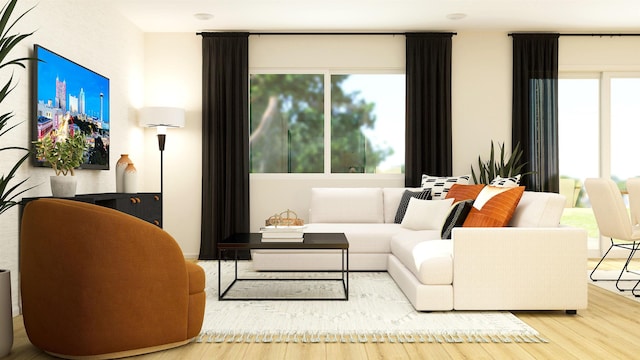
(520, 268)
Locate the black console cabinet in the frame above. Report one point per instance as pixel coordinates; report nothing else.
(146, 206)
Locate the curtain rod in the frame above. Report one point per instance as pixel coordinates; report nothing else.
(340, 33)
(581, 34)
(603, 34)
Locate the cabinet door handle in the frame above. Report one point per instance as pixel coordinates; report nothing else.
(156, 222)
(156, 197)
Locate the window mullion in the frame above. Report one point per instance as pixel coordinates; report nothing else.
(605, 125)
(327, 122)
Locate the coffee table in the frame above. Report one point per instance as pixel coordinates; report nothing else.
(311, 241)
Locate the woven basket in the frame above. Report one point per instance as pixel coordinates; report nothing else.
(285, 218)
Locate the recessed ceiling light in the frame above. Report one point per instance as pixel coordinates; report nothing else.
(203, 16)
(456, 16)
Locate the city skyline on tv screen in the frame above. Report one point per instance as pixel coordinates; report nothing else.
(72, 98)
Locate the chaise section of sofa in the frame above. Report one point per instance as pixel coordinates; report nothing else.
(533, 264)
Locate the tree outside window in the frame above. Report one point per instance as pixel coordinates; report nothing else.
(288, 123)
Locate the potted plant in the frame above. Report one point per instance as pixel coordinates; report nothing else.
(8, 192)
(64, 154)
(502, 166)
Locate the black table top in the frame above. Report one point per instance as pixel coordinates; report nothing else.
(311, 241)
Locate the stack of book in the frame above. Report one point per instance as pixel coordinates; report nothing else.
(282, 233)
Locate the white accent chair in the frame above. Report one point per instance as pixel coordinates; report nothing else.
(613, 222)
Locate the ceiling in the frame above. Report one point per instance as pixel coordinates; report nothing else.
(382, 15)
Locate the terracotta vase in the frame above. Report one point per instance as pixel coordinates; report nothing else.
(6, 318)
(130, 179)
(121, 166)
(63, 186)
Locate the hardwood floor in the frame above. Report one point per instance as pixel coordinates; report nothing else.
(608, 329)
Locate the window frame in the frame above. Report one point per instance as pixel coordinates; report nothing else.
(327, 73)
(604, 77)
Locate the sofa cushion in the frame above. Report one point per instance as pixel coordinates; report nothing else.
(538, 209)
(431, 261)
(426, 214)
(363, 238)
(506, 182)
(497, 210)
(346, 205)
(391, 200)
(440, 185)
(461, 192)
(456, 217)
(404, 202)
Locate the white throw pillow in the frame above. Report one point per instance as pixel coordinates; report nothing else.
(426, 214)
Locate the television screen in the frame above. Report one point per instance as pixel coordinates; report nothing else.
(71, 98)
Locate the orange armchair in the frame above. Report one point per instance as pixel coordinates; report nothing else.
(99, 283)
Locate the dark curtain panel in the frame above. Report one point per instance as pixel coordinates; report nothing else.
(535, 108)
(225, 138)
(428, 148)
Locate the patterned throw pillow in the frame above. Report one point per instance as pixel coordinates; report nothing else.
(440, 185)
(495, 210)
(404, 202)
(456, 217)
(506, 182)
(464, 192)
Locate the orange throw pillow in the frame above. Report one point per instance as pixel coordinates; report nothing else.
(497, 211)
(464, 192)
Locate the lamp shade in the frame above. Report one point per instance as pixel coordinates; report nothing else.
(159, 116)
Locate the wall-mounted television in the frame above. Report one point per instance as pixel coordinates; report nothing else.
(68, 98)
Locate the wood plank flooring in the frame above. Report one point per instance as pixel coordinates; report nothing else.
(608, 329)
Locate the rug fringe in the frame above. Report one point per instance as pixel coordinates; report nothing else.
(381, 337)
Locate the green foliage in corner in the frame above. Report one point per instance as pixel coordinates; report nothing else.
(9, 192)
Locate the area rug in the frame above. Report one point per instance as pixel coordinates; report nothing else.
(611, 285)
(377, 311)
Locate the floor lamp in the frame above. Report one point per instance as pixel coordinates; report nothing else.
(161, 118)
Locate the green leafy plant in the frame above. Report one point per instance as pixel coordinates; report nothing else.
(8, 193)
(502, 166)
(63, 153)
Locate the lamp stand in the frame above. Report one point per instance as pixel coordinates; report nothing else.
(161, 140)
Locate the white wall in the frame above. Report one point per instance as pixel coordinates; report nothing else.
(599, 53)
(481, 95)
(97, 37)
(173, 77)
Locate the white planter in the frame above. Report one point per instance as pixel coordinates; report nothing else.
(6, 317)
(63, 186)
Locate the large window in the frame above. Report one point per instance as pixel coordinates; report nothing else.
(579, 148)
(327, 123)
(599, 117)
(625, 127)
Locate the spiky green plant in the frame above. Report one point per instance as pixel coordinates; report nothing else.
(8, 192)
(502, 166)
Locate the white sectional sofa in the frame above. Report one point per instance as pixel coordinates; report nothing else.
(533, 264)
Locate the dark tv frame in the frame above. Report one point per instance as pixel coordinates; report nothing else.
(53, 69)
